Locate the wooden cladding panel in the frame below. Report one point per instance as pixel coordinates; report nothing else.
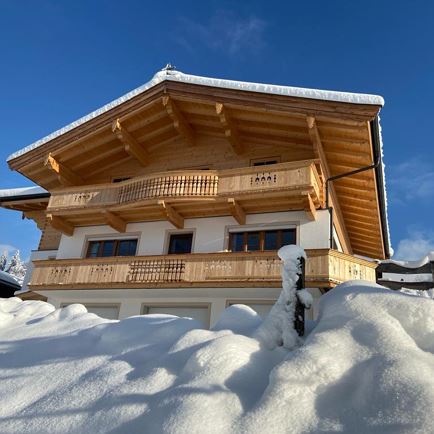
(324, 267)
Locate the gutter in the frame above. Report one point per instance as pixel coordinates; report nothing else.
(25, 197)
(377, 165)
(379, 176)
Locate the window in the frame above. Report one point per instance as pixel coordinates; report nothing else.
(253, 241)
(180, 243)
(265, 161)
(121, 179)
(104, 248)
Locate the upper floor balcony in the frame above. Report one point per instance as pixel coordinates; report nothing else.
(183, 194)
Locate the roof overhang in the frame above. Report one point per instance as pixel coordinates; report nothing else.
(346, 122)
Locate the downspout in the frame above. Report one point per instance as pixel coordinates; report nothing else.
(375, 165)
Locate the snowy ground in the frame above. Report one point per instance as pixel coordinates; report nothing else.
(367, 366)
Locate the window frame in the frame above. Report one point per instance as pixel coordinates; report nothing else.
(261, 232)
(116, 241)
(170, 232)
(180, 234)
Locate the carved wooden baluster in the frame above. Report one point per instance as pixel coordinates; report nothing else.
(178, 185)
(168, 182)
(195, 185)
(163, 186)
(175, 271)
(187, 190)
(201, 185)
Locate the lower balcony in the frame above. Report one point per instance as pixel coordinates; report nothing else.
(325, 268)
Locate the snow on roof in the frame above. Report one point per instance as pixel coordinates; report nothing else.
(367, 366)
(24, 191)
(178, 76)
(6, 277)
(412, 264)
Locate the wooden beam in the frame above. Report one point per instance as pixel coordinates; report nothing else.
(114, 221)
(60, 224)
(171, 215)
(317, 144)
(132, 147)
(179, 122)
(64, 174)
(231, 132)
(319, 152)
(309, 207)
(237, 211)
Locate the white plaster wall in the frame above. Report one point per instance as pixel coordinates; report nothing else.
(209, 233)
(131, 300)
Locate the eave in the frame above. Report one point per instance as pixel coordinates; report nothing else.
(138, 127)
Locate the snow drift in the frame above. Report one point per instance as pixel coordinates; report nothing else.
(367, 366)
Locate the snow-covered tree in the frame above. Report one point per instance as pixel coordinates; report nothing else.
(3, 261)
(16, 267)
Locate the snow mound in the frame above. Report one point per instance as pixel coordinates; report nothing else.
(367, 366)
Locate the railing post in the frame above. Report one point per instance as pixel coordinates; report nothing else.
(299, 307)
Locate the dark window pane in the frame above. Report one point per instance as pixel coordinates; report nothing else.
(127, 247)
(107, 248)
(270, 240)
(253, 241)
(180, 243)
(265, 163)
(92, 251)
(288, 237)
(237, 242)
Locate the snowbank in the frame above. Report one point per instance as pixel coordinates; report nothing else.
(368, 366)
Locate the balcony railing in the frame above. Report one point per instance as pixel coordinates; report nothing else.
(324, 268)
(188, 184)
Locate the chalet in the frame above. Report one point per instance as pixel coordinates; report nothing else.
(416, 275)
(175, 197)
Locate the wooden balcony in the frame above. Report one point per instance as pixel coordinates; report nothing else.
(324, 268)
(192, 193)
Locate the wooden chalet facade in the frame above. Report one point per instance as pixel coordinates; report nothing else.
(175, 197)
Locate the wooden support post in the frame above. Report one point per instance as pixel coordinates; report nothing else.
(237, 211)
(60, 224)
(171, 215)
(231, 132)
(309, 207)
(114, 221)
(132, 147)
(179, 122)
(65, 175)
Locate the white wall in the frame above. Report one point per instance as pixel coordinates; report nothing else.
(130, 301)
(209, 233)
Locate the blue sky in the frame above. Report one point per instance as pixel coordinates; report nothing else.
(62, 59)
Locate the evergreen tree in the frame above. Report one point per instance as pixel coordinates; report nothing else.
(16, 267)
(3, 261)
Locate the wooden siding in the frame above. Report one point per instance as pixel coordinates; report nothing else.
(325, 268)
